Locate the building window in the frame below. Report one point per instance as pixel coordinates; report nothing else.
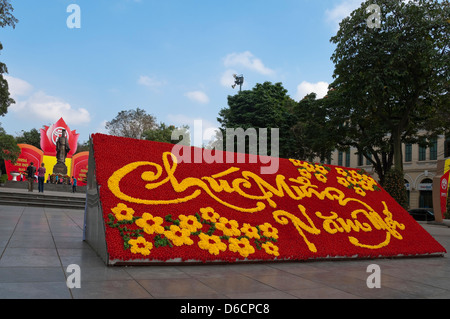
(447, 147)
(426, 193)
(433, 150)
(360, 159)
(368, 158)
(408, 153)
(347, 158)
(340, 158)
(422, 153)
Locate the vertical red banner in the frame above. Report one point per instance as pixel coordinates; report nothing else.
(80, 167)
(444, 192)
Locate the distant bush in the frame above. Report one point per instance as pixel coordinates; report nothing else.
(394, 184)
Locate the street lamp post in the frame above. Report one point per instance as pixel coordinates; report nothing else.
(239, 80)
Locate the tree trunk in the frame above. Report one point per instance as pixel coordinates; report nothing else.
(397, 148)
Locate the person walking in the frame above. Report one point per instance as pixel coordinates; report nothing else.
(31, 171)
(74, 184)
(41, 178)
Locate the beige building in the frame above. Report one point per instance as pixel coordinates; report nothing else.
(419, 165)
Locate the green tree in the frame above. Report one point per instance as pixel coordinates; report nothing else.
(346, 126)
(268, 106)
(395, 186)
(82, 147)
(311, 133)
(31, 137)
(163, 133)
(6, 19)
(9, 149)
(392, 81)
(131, 123)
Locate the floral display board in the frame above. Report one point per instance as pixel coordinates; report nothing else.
(157, 206)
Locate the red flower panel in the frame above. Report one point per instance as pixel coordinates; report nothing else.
(160, 207)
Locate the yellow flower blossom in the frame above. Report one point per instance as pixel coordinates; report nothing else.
(359, 191)
(321, 177)
(271, 249)
(352, 180)
(190, 223)
(366, 186)
(343, 181)
(209, 214)
(213, 244)
(123, 212)
(140, 246)
(250, 231)
(321, 169)
(241, 246)
(370, 180)
(341, 171)
(356, 175)
(150, 224)
(305, 173)
(268, 230)
(296, 162)
(310, 168)
(228, 227)
(179, 236)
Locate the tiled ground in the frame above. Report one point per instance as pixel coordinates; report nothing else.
(37, 245)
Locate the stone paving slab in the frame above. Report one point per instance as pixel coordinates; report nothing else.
(38, 244)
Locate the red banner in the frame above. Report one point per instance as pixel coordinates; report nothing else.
(444, 192)
(159, 206)
(29, 154)
(80, 167)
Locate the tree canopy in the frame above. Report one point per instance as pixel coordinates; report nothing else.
(168, 134)
(9, 149)
(6, 19)
(393, 81)
(268, 106)
(31, 137)
(131, 123)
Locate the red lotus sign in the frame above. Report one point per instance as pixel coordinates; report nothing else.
(49, 136)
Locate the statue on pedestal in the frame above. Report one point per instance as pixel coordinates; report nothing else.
(62, 149)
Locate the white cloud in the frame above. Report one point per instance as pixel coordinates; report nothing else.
(344, 9)
(101, 128)
(18, 87)
(341, 11)
(38, 105)
(150, 82)
(227, 78)
(248, 61)
(198, 96)
(305, 88)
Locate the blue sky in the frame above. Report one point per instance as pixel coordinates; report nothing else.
(173, 58)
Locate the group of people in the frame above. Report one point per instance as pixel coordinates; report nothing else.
(31, 178)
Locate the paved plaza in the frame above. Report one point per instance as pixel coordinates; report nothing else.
(38, 244)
